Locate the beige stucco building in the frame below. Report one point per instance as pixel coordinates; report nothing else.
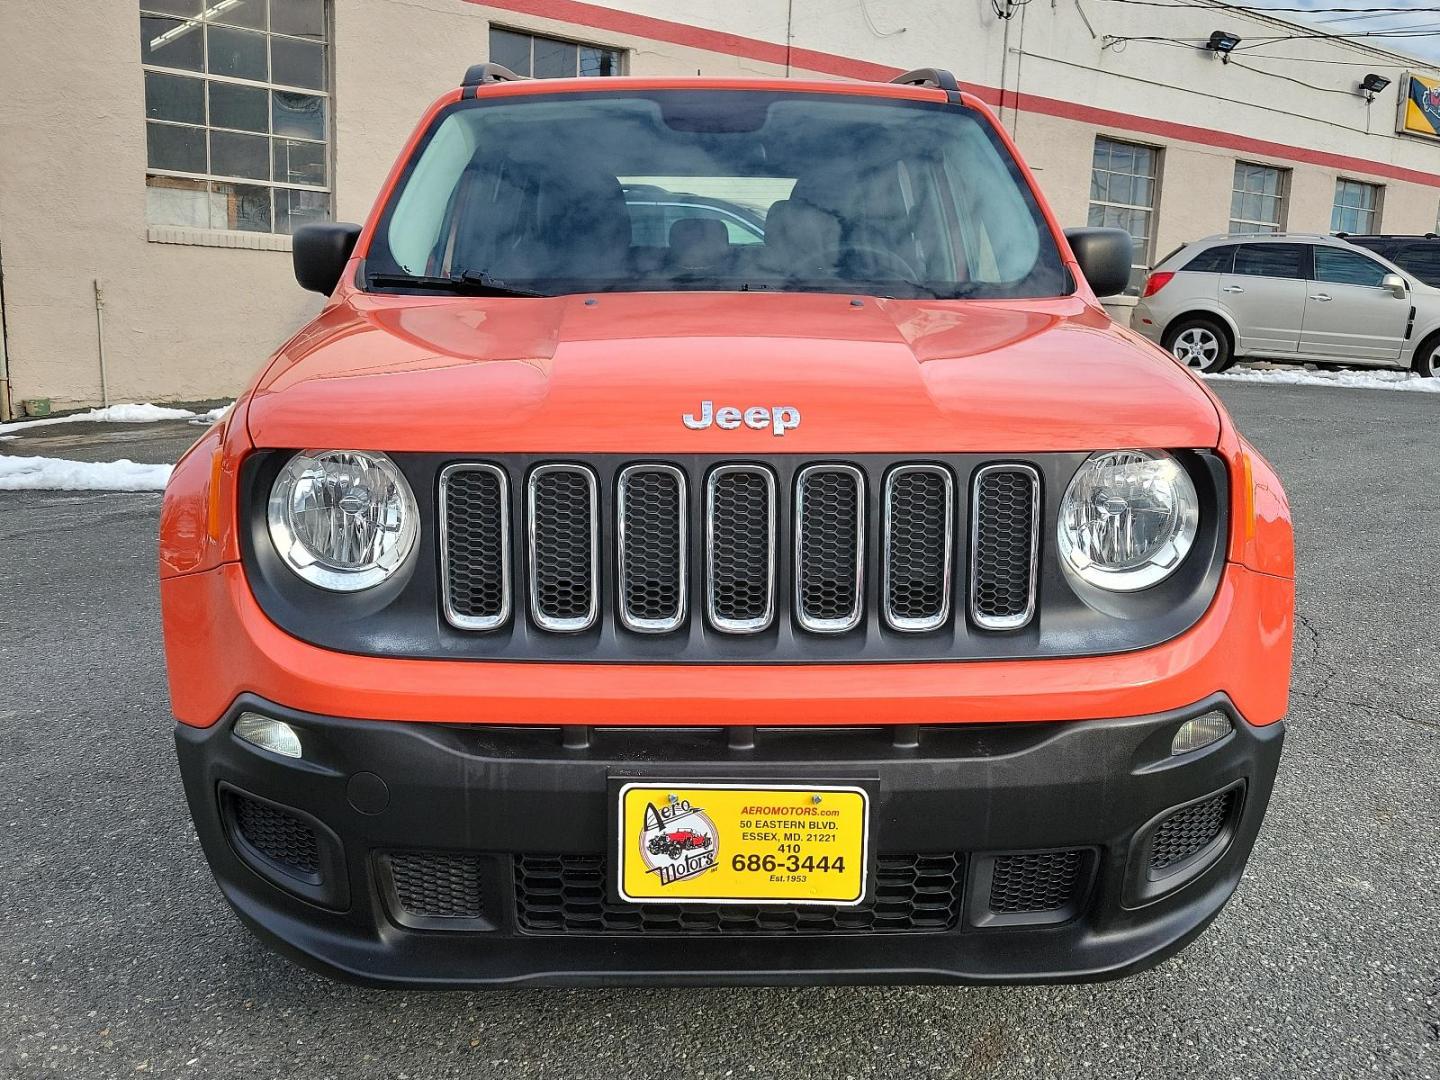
(156, 153)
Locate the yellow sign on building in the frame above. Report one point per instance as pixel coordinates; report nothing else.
(1420, 107)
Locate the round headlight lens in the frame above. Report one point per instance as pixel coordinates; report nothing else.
(342, 519)
(1128, 519)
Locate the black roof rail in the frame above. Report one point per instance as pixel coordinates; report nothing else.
(477, 75)
(936, 77)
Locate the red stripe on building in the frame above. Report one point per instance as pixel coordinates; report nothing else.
(718, 41)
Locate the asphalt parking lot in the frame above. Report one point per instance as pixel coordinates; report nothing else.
(118, 956)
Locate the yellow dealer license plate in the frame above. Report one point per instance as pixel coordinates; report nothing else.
(733, 844)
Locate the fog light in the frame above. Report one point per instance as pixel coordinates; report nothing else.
(274, 735)
(1200, 732)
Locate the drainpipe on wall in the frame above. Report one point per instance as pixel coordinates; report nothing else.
(5, 413)
(100, 342)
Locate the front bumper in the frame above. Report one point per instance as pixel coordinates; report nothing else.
(511, 821)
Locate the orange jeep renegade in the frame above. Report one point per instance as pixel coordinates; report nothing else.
(713, 534)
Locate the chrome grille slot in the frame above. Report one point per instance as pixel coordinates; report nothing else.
(562, 512)
(475, 546)
(651, 536)
(740, 548)
(1004, 540)
(829, 547)
(918, 546)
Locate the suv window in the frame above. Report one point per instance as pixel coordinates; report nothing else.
(1422, 260)
(1215, 260)
(887, 196)
(1271, 260)
(1346, 267)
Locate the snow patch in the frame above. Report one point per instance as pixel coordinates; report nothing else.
(58, 474)
(1348, 379)
(119, 414)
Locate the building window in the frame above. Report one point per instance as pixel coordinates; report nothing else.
(1257, 200)
(237, 113)
(1122, 196)
(1357, 207)
(550, 58)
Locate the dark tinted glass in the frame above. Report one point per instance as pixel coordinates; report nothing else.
(1346, 267)
(840, 183)
(172, 43)
(1271, 260)
(1422, 260)
(239, 54)
(556, 59)
(510, 50)
(299, 162)
(174, 97)
(299, 18)
(240, 155)
(181, 149)
(1216, 260)
(297, 63)
(241, 107)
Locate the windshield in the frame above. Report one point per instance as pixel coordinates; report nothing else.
(719, 190)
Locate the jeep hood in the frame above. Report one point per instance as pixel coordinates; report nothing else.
(615, 373)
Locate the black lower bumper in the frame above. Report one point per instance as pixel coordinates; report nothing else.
(432, 855)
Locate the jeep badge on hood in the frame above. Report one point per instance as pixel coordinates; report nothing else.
(778, 418)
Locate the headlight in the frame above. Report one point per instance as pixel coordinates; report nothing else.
(1128, 519)
(342, 519)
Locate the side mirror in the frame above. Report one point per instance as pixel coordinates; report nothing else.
(1396, 284)
(1104, 256)
(320, 252)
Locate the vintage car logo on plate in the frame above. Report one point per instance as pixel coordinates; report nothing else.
(677, 840)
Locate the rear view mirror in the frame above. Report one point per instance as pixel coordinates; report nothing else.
(1104, 256)
(320, 252)
(1396, 284)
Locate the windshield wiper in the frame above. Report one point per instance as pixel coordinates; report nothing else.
(464, 282)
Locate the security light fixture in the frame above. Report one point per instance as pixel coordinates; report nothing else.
(1221, 43)
(1372, 84)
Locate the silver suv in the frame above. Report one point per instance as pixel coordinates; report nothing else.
(1289, 296)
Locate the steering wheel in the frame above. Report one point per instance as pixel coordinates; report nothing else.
(881, 260)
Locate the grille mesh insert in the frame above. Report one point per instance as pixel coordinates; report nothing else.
(652, 554)
(566, 894)
(562, 510)
(475, 547)
(1188, 831)
(1003, 542)
(1034, 881)
(277, 834)
(918, 509)
(437, 886)
(741, 522)
(829, 519)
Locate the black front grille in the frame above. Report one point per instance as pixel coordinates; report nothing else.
(476, 545)
(1190, 830)
(436, 885)
(1035, 881)
(277, 834)
(740, 515)
(919, 529)
(829, 544)
(562, 547)
(567, 894)
(1002, 546)
(652, 547)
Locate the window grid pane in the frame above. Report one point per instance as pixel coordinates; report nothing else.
(1356, 207)
(1122, 196)
(1257, 200)
(237, 111)
(551, 58)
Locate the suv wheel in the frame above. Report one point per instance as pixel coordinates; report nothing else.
(1200, 344)
(1427, 358)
